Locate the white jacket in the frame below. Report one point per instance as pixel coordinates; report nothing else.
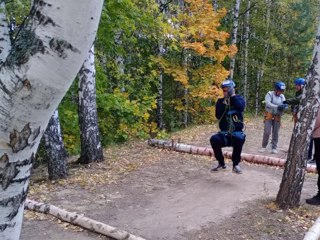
(272, 102)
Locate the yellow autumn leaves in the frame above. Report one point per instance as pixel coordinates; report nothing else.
(198, 37)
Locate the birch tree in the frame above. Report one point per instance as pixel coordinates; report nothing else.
(5, 43)
(215, 5)
(261, 70)
(246, 50)
(234, 34)
(293, 176)
(48, 51)
(56, 154)
(91, 147)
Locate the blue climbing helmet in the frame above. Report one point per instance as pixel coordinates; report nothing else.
(280, 86)
(228, 83)
(300, 81)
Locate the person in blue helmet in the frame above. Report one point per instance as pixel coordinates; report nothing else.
(294, 102)
(229, 112)
(274, 109)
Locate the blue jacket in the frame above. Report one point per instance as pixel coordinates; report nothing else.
(230, 117)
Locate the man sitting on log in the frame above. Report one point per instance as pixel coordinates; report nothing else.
(229, 112)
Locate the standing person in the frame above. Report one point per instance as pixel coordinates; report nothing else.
(315, 200)
(272, 116)
(294, 102)
(229, 112)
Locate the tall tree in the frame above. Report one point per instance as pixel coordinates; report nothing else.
(196, 63)
(215, 5)
(5, 44)
(262, 62)
(246, 49)
(56, 154)
(44, 59)
(91, 147)
(234, 34)
(293, 176)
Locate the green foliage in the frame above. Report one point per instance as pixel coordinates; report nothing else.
(68, 115)
(124, 118)
(128, 63)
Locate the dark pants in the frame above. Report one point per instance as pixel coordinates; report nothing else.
(218, 141)
(310, 149)
(316, 157)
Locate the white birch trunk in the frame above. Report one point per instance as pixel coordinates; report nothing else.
(120, 61)
(185, 92)
(215, 5)
(246, 49)
(48, 52)
(5, 43)
(160, 94)
(80, 220)
(234, 35)
(257, 97)
(55, 152)
(293, 176)
(91, 147)
(265, 56)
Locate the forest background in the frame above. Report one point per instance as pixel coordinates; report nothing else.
(159, 64)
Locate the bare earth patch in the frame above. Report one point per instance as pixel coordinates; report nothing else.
(158, 194)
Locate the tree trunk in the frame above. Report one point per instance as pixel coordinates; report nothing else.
(293, 176)
(215, 5)
(91, 147)
(5, 43)
(120, 61)
(234, 35)
(55, 151)
(47, 54)
(80, 220)
(246, 49)
(207, 151)
(160, 94)
(257, 98)
(265, 56)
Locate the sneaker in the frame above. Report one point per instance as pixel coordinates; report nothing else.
(237, 169)
(219, 168)
(315, 200)
(274, 151)
(262, 150)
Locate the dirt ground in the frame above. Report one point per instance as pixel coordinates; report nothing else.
(158, 194)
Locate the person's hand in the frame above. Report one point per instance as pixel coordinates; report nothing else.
(231, 91)
(282, 107)
(285, 102)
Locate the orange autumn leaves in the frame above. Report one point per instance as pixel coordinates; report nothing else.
(198, 37)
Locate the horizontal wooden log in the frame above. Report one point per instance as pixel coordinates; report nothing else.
(79, 220)
(314, 232)
(251, 158)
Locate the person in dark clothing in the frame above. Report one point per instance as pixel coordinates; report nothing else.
(315, 200)
(294, 102)
(229, 112)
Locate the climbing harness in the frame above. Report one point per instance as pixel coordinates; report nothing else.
(231, 118)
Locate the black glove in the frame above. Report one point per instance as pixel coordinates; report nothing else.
(282, 107)
(285, 102)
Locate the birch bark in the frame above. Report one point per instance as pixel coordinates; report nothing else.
(46, 56)
(234, 35)
(55, 151)
(293, 176)
(91, 147)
